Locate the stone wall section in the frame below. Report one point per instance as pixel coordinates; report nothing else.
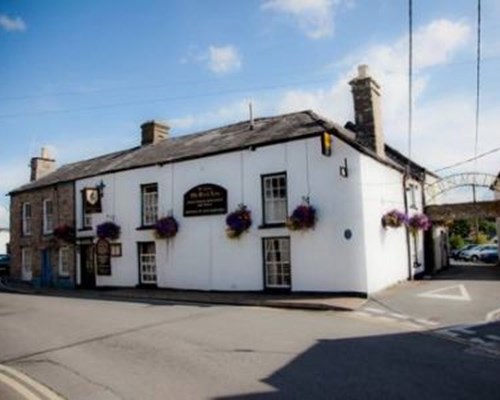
(63, 200)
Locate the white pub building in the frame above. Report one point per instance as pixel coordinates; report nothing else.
(334, 182)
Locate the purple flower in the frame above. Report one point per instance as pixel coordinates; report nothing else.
(64, 232)
(238, 221)
(394, 219)
(166, 227)
(419, 222)
(302, 218)
(108, 230)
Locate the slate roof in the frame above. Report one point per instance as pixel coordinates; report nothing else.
(228, 138)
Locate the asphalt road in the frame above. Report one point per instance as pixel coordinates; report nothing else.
(97, 349)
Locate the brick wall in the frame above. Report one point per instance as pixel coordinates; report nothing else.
(63, 201)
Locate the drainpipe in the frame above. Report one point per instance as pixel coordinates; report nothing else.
(408, 245)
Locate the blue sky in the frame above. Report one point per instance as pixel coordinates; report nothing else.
(81, 76)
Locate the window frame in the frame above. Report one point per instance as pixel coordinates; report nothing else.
(140, 246)
(46, 229)
(154, 218)
(60, 269)
(26, 220)
(284, 287)
(86, 217)
(273, 223)
(24, 270)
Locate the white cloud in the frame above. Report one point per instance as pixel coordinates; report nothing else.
(4, 217)
(222, 60)
(12, 24)
(314, 17)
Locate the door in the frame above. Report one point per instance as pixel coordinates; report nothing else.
(46, 278)
(87, 266)
(277, 271)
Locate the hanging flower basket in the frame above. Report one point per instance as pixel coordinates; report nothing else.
(418, 222)
(394, 219)
(302, 218)
(238, 221)
(64, 233)
(108, 230)
(166, 227)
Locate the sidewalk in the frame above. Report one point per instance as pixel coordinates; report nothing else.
(299, 301)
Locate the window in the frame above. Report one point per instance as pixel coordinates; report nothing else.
(86, 216)
(26, 219)
(64, 261)
(412, 196)
(274, 198)
(26, 263)
(277, 263)
(48, 216)
(147, 263)
(149, 204)
(116, 249)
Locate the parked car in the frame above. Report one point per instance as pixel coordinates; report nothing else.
(474, 254)
(457, 253)
(4, 264)
(489, 256)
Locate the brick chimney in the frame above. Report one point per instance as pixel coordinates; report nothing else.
(367, 110)
(154, 132)
(41, 166)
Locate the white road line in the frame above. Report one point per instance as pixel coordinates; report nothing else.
(426, 322)
(399, 316)
(22, 390)
(481, 342)
(447, 332)
(31, 382)
(491, 315)
(493, 337)
(437, 293)
(374, 310)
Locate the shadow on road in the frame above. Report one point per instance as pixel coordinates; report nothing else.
(469, 272)
(400, 366)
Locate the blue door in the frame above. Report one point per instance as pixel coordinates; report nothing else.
(46, 278)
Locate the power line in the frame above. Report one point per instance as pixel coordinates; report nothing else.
(469, 160)
(165, 99)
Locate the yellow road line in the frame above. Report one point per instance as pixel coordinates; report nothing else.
(49, 394)
(22, 390)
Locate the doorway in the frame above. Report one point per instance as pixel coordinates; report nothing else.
(87, 266)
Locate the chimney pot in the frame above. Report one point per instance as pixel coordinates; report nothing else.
(41, 166)
(367, 110)
(153, 132)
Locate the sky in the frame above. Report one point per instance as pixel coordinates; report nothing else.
(80, 77)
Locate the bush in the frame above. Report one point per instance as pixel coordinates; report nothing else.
(457, 242)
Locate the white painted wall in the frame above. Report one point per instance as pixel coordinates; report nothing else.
(386, 249)
(202, 257)
(4, 239)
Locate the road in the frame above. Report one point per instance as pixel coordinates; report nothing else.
(410, 348)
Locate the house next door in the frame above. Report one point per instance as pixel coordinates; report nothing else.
(46, 276)
(87, 266)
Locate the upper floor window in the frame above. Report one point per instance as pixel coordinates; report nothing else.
(26, 219)
(48, 216)
(149, 195)
(412, 194)
(274, 195)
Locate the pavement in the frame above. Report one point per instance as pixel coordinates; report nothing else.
(298, 301)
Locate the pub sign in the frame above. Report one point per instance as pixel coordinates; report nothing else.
(205, 199)
(92, 200)
(103, 257)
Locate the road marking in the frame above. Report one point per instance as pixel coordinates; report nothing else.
(22, 390)
(493, 337)
(492, 314)
(49, 394)
(437, 294)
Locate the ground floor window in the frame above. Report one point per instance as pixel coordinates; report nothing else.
(277, 273)
(64, 261)
(26, 263)
(147, 263)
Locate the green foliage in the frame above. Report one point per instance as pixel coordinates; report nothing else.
(460, 228)
(488, 226)
(457, 242)
(482, 238)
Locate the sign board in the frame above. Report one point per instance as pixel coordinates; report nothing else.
(92, 200)
(103, 257)
(205, 199)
